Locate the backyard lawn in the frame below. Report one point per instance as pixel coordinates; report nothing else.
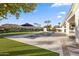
(14, 48)
(15, 33)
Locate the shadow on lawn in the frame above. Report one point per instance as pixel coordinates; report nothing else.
(30, 52)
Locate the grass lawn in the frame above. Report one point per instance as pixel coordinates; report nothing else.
(14, 48)
(14, 33)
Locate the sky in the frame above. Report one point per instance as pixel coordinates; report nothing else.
(55, 12)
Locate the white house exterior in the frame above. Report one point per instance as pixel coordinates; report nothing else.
(72, 22)
(45, 29)
(60, 27)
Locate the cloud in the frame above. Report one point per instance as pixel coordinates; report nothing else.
(59, 16)
(63, 12)
(21, 19)
(60, 4)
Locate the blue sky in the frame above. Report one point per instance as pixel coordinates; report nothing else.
(55, 12)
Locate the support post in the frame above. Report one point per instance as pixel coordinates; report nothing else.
(67, 28)
(77, 25)
(63, 29)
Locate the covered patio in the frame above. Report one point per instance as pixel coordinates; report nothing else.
(71, 22)
(70, 26)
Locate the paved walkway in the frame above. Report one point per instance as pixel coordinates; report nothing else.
(70, 47)
(73, 47)
(57, 42)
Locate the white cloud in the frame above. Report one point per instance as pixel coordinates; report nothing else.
(21, 19)
(63, 12)
(60, 4)
(59, 16)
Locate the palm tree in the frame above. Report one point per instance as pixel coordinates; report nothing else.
(59, 24)
(47, 22)
(38, 25)
(48, 26)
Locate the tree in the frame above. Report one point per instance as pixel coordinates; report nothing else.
(15, 9)
(48, 26)
(38, 25)
(47, 22)
(59, 23)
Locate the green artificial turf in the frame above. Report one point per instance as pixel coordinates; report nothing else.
(14, 48)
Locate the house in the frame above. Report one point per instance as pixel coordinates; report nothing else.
(12, 27)
(28, 26)
(59, 28)
(31, 27)
(1, 28)
(71, 22)
(47, 28)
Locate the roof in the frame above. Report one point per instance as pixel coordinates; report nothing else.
(1, 28)
(70, 12)
(26, 24)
